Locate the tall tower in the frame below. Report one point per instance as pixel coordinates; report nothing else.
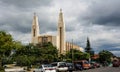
(61, 33)
(35, 30)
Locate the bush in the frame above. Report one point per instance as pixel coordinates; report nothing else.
(2, 69)
(23, 60)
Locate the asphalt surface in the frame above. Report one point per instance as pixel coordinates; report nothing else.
(102, 69)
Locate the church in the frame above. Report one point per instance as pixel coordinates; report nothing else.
(59, 41)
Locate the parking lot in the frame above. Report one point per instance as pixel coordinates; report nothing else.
(102, 69)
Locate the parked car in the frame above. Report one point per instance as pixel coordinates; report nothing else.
(116, 63)
(78, 66)
(14, 69)
(70, 67)
(94, 65)
(45, 68)
(84, 64)
(60, 66)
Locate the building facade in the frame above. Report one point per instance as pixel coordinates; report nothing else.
(48, 38)
(35, 30)
(73, 46)
(61, 33)
(58, 41)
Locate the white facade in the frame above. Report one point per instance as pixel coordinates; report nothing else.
(35, 30)
(61, 33)
(59, 41)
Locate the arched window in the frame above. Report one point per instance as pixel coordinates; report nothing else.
(34, 32)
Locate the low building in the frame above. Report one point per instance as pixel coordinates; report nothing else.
(48, 38)
(73, 46)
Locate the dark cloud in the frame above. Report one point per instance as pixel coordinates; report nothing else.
(16, 18)
(46, 26)
(69, 26)
(68, 29)
(103, 13)
(110, 47)
(16, 23)
(26, 3)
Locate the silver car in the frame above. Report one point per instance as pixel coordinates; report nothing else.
(45, 68)
(60, 66)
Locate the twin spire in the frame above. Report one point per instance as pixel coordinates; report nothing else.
(35, 29)
(61, 32)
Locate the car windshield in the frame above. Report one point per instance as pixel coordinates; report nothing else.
(69, 64)
(54, 64)
(86, 62)
(62, 64)
(48, 65)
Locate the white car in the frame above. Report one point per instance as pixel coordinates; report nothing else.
(45, 68)
(60, 66)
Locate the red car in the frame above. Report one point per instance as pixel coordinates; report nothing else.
(95, 65)
(116, 63)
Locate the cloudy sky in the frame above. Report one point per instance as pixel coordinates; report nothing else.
(97, 19)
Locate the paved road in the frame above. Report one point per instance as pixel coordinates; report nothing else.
(102, 69)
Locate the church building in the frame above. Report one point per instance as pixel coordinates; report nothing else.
(59, 41)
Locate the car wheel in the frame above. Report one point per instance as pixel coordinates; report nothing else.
(57, 71)
(70, 71)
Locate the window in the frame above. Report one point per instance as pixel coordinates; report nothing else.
(54, 64)
(44, 39)
(62, 64)
(34, 32)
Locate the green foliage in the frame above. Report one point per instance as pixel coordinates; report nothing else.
(6, 43)
(85, 56)
(1, 68)
(76, 55)
(88, 48)
(34, 54)
(105, 56)
(24, 60)
(26, 55)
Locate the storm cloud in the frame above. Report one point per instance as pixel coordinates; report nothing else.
(97, 19)
(26, 3)
(103, 13)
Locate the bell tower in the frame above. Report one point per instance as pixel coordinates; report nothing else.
(61, 33)
(35, 30)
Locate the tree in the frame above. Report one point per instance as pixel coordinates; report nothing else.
(88, 48)
(14, 51)
(74, 54)
(23, 60)
(6, 43)
(1, 67)
(47, 53)
(105, 56)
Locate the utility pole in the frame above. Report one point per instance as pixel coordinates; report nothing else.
(72, 51)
